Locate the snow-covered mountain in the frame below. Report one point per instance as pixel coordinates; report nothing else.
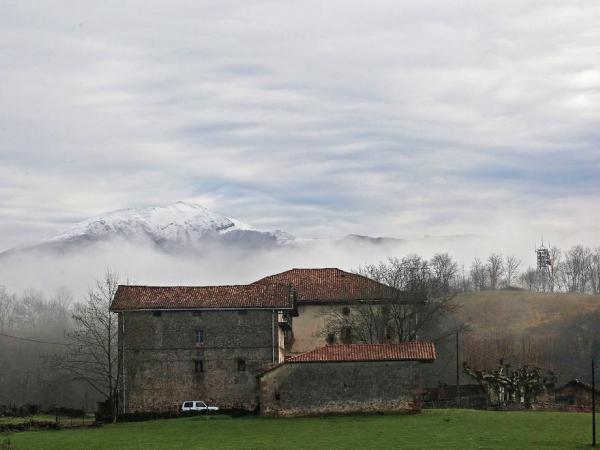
(184, 243)
(177, 227)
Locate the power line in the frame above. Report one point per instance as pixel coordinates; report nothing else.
(38, 341)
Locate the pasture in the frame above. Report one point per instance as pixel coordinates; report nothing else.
(432, 429)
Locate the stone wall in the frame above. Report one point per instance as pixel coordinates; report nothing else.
(159, 354)
(313, 388)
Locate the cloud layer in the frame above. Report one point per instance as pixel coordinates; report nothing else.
(321, 119)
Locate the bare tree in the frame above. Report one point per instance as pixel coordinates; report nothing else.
(419, 306)
(555, 263)
(92, 354)
(575, 269)
(506, 386)
(594, 271)
(478, 275)
(7, 302)
(512, 269)
(529, 279)
(26, 310)
(465, 282)
(444, 269)
(495, 269)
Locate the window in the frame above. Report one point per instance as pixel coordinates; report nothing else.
(277, 396)
(241, 365)
(346, 311)
(157, 313)
(242, 312)
(330, 338)
(389, 334)
(200, 405)
(199, 336)
(196, 313)
(188, 404)
(198, 366)
(346, 335)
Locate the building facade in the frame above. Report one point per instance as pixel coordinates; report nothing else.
(576, 393)
(352, 378)
(198, 343)
(323, 293)
(212, 342)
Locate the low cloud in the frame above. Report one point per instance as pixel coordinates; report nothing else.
(216, 263)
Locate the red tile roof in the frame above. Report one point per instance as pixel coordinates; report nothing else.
(405, 351)
(267, 296)
(331, 285)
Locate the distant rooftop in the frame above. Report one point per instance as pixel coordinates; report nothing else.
(279, 291)
(332, 285)
(266, 296)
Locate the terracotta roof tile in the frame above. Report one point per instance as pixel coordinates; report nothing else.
(331, 285)
(189, 297)
(406, 351)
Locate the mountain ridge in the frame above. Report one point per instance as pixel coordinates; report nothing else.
(174, 227)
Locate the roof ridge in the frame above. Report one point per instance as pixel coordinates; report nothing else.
(426, 352)
(250, 285)
(245, 296)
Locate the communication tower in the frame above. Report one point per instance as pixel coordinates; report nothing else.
(544, 268)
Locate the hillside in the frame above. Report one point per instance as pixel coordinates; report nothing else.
(553, 331)
(518, 312)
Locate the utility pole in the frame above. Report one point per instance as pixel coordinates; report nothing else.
(593, 405)
(457, 373)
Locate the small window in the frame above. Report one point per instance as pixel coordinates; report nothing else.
(389, 334)
(330, 338)
(346, 311)
(188, 404)
(199, 336)
(157, 313)
(241, 365)
(196, 313)
(242, 312)
(199, 366)
(200, 405)
(346, 335)
(277, 396)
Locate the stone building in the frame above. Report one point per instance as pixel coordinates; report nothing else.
(576, 393)
(210, 343)
(352, 378)
(190, 343)
(322, 291)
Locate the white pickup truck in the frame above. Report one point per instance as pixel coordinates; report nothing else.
(197, 406)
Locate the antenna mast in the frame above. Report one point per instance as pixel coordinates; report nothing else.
(544, 268)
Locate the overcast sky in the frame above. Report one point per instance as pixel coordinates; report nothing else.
(319, 118)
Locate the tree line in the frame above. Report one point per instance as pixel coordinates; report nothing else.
(576, 270)
(55, 351)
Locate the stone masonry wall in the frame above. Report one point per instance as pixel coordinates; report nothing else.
(295, 389)
(159, 354)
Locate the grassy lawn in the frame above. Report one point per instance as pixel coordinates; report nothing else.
(434, 429)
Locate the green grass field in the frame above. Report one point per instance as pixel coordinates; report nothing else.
(433, 429)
